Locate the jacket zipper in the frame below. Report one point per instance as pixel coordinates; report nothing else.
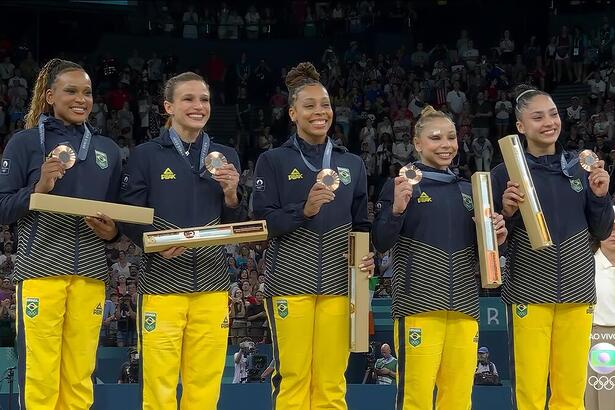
(450, 258)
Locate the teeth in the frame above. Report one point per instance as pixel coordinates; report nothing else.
(79, 110)
(319, 122)
(196, 116)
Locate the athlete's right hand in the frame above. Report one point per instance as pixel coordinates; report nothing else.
(172, 252)
(318, 196)
(51, 170)
(511, 199)
(402, 195)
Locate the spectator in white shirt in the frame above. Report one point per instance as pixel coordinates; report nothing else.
(483, 153)
(503, 110)
(402, 150)
(603, 329)
(368, 135)
(455, 100)
(597, 86)
(573, 112)
(470, 56)
(190, 20)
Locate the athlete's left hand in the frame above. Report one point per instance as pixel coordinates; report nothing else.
(500, 227)
(599, 180)
(367, 264)
(228, 178)
(103, 226)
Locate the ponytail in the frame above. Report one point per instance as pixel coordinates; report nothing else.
(44, 81)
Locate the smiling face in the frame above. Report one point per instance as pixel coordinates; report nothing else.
(437, 143)
(540, 122)
(312, 113)
(190, 108)
(70, 96)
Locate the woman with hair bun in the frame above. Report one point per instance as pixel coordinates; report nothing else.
(550, 293)
(61, 266)
(306, 270)
(431, 230)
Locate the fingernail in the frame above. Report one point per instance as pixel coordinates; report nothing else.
(361, 266)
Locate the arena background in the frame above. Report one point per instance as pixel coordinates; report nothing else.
(368, 41)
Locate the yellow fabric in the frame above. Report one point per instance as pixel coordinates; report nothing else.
(57, 341)
(550, 342)
(188, 335)
(310, 347)
(435, 349)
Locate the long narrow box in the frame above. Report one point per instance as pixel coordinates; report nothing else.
(358, 292)
(87, 207)
(488, 255)
(531, 211)
(198, 237)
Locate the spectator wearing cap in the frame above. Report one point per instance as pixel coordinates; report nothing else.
(486, 372)
(385, 368)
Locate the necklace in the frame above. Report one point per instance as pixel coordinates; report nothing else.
(188, 150)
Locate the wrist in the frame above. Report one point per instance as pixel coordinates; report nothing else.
(231, 200)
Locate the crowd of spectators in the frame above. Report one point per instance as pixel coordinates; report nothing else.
(377, 98)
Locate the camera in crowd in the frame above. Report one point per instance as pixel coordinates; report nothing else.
(255, 363)
(130, 369)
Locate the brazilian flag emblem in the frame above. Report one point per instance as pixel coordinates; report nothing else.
(521, 311)
(576, 185)
(32, 307)
(414, 337)
(282, 306)
(101, 159)
(344, 174)
(467, 202)
(149, 321)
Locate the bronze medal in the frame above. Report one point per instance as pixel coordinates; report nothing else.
(412, 174)
(65, 154)
(329, 179)
(588, 159)
(214, 161)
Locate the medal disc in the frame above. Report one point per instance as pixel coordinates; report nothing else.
(65, 154)
(328, 178)
(214, 161)
(588, 159)
(412, 174)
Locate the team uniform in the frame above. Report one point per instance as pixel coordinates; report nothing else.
(183, 310)
(550, 293)
(306, 272)
(435, 290)
(61, 266)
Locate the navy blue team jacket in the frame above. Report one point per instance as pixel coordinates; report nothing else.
(564, 272)
(434, 247)
(53, 244)
(159, 178)
(306, 255)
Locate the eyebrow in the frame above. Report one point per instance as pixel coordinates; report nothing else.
(549, 110)
(77, 86)
(192, 95)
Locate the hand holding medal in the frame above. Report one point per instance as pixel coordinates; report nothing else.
(225, 174)
(409, 176)
(598, 177)
(59, 160)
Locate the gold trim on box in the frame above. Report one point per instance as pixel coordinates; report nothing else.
(86, 207)
(486, 238)
(358, 292)
(531, 211)
(212, 235)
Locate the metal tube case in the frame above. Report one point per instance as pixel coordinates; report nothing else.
(488, 255)
(531, 211)
(358, 292)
